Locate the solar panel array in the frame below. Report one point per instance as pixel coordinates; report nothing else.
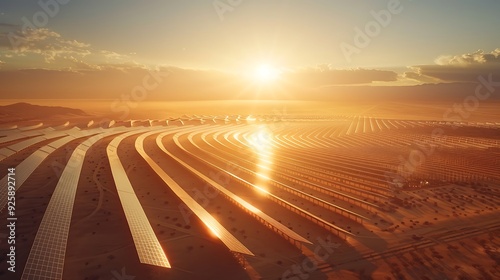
(16, 135)
(268, 219)
(23, 171)
(29, 164)
(5, 153)
(147, 245)
(27, 143)
(6, 130)
(222, 233)
(31, 127)
(46, 258)
(19, 146)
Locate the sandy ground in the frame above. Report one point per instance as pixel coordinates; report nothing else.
(447, 229)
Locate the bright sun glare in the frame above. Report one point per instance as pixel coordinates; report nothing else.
(266, 73)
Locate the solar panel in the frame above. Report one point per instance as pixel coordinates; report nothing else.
(32, 133)
(61, 142)
(6, 133)
(147, 245)
(6, 152)
(280, 200)
(268, 219)
(12, 137)
(32, 141)
(50, 242)
(26, 143)
(46, 258)
(222, 233)
(49, 149)
(31, 127)
(3, 128)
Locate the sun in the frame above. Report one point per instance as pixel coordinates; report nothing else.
(266, 73)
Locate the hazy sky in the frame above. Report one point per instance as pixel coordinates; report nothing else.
(413, 41)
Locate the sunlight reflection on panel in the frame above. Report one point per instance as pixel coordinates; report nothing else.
(212, 223)
(214, 230)
(251, 119)
(263, 176)
(261, 189)
(264, 166)
(269, 220)
(261, 142)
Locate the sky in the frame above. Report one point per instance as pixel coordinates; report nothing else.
(242, 48)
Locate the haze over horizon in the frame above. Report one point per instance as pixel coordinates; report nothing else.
(200, 50)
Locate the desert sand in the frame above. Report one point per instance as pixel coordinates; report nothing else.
(340, 180)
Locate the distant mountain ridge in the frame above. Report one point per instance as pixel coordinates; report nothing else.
(28, 111)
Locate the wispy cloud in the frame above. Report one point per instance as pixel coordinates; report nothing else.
(46, 43)
(57, 51)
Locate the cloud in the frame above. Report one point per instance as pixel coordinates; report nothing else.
(416, 75)
(476, 58)
(58, 52)
(46, 43)
(325, 75)
(112, 55)
(458, 68)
